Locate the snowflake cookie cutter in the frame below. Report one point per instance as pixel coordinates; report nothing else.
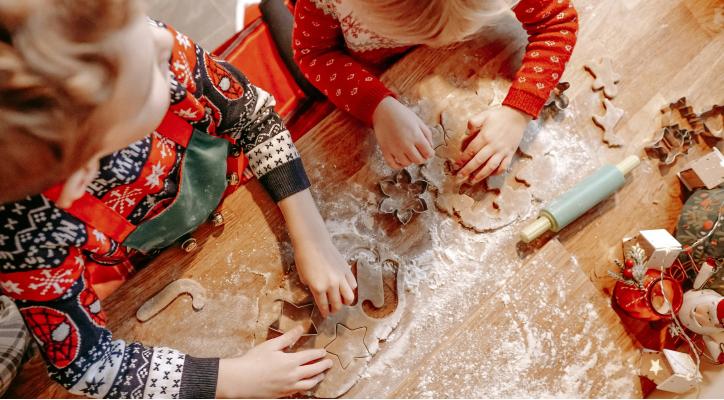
(403, 196)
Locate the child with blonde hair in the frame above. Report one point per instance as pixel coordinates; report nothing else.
(341, 45)
(118, 137)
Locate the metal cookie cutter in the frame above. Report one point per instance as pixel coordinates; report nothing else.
(402, 196)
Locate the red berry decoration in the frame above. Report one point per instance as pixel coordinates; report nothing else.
(628, 273)
(629, 263)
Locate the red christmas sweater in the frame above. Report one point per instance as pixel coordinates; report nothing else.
(341, 57)
(47, 255)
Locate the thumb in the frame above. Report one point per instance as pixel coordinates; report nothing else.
(286, 340)
(476, 121)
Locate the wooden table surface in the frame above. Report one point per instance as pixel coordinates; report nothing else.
(663, 50)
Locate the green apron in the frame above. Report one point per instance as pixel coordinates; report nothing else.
(201, 188)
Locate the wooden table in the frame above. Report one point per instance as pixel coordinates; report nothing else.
(504, 316)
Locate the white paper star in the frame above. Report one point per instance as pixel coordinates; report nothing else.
(656, 367)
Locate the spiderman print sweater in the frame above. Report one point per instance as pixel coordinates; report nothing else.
(340, 56)
(46, 254)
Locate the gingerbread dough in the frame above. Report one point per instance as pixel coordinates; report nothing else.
(167, 295)
(606, 78)
(608, 122)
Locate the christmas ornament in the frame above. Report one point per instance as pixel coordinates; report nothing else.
(702, 311)
(659, 247)
(649, 296)
(671, 371)
(698, 225)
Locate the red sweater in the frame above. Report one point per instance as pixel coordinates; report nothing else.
(340, 57)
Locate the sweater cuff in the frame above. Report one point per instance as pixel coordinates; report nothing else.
(198, 380)
(285, 180)
(524, 101)
(373, 98)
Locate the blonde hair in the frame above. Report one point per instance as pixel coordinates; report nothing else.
(431, 22)
(53, 75)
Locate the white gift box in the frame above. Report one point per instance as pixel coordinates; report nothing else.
(660, 247)
(671, 371)
(705, 172)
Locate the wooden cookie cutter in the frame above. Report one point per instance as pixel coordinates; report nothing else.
(402, 196)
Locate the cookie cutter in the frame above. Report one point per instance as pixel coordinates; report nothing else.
(402, 196)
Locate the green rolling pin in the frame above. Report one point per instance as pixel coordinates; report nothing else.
(579, 199)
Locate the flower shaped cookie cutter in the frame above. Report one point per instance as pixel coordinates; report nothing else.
(403, 196)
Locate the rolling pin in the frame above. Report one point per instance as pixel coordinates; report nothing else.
(579, 199)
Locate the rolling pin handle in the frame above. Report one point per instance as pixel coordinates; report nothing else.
(535, 229)
(628, 164)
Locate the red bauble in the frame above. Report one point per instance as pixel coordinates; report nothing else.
(628, 263)
(627, 273)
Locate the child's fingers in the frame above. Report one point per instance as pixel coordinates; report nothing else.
(351, 279)
(402, 160)
(428, 134)
(305, 357)
(490, 166)
(474, 163)
(347, 293)
(504, 165)
(425, 149)
(414, 155)
(286, 340)
(334, 298)
(308, 384)
(322, 303)
(473, 148)
(314, 369)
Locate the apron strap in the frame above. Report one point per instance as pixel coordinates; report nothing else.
(92, 211)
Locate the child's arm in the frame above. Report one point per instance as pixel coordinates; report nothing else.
(552, 26)
(319, 51)
(246, 113)
(44, 269)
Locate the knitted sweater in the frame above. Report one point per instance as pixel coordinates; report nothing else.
(46, 253)
(341, 57)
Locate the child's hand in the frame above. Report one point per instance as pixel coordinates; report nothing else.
(319, 263)
(499, 131)
(266, 371)
(403, 137)
(326, 273)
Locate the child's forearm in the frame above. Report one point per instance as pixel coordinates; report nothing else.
(302, 217)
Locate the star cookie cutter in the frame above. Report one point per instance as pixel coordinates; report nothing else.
(402, 196)
(292, 315)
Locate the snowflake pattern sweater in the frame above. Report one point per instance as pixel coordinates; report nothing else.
(341, 57)
(46, 253)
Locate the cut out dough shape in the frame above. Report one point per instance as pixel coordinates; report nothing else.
(369, 277)
(608, 122)
(605, 77)
(167, 295)
(348, 344)
(292, 316)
